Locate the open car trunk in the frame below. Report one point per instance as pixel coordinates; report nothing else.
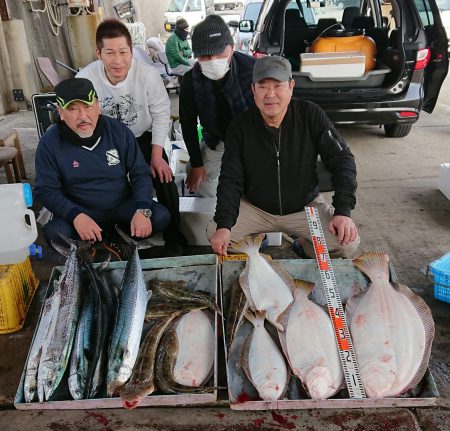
(337, 73)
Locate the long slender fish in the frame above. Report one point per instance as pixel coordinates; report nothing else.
(58, 344)
(129, 322)
(142, 380)
(392, 331)
(176, 291)
(310, 347)
(109, 305)
(49, 308)
(266, 286)
(82, 348)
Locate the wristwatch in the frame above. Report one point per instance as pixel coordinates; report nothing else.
(145, 211)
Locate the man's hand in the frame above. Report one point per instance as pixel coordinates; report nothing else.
(220, 241)
(344, 228)
(87, 228)
(140, 226)
(158, 166)
(195, 177)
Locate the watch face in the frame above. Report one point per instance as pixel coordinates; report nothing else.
(145, 211)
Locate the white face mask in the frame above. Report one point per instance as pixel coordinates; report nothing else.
(215, 69)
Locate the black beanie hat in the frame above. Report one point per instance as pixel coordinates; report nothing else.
(182, 24)
(211, 36)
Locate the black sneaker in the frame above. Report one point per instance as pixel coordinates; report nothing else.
(298, 249)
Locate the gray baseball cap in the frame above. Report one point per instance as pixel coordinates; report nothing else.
(272, 66)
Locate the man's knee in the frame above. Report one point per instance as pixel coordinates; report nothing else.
(160, 217)
(348, 251)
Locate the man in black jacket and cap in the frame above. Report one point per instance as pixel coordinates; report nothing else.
(215, 90)
(269, 170)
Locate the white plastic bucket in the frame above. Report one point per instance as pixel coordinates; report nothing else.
(17, 223)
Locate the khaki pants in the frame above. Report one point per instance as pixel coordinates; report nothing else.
(252, 220)
(212, 160)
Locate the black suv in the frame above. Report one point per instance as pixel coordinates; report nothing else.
(411, 57)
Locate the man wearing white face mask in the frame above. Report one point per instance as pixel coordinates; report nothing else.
(215, 90)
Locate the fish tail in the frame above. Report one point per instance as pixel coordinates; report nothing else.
(374, 264)
(248, 244)
(125, 237)
(145, 243)
(256, 318)
(302, 284)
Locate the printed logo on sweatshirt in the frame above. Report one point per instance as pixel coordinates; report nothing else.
(124, 108)
(113, 157)
(75, 164)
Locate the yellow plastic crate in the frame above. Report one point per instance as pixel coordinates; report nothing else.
(17, 286)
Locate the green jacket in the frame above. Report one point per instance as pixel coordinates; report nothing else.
(178, 51)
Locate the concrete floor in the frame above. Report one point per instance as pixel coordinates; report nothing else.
(399, 210)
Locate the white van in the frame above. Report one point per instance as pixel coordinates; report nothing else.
(193, 11)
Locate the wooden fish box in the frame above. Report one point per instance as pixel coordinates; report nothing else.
(200, 272)
(242, 394)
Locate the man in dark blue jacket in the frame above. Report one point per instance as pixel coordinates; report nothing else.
(215, 90)
(90, 172)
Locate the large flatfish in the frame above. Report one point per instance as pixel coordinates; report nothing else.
(392, 331)
(309, 345)
(267, 286)
(194, 362)
(263, 362)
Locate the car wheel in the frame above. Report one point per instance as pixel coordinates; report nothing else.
(397, 130)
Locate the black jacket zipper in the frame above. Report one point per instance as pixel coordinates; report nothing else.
(277, 150)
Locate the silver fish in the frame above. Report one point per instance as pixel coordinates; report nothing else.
(129, 322)
(49, 308)
(57, 346)
(79, 363)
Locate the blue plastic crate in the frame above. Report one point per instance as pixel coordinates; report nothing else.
(440, 269)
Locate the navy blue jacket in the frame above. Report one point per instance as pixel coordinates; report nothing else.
(101, 178)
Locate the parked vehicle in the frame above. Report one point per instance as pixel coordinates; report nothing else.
(227, 4)
(193, 11)
(411, 59)
(249, 17)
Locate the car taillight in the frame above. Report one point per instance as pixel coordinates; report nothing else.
(405, 114)
(258, 54)
(422, 59)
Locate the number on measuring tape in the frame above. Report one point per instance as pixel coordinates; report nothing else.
(335, 308)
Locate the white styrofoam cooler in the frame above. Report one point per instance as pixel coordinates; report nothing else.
(196, 213)
(444, 179)
(333, 64)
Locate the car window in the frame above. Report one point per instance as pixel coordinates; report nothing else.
(176, 6)
(252, 11)
(194, 6)
(307, 13)
(425, 13)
